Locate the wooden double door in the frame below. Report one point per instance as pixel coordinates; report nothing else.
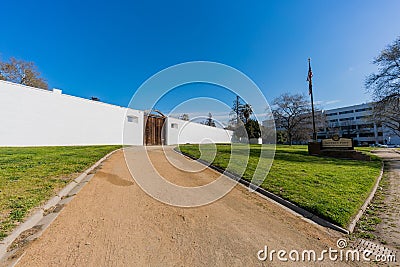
(154, 130)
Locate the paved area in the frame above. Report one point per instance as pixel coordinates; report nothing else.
(112, 222)
(389, 229)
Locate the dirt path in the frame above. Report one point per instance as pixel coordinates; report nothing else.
(112, 222)
(389, 229)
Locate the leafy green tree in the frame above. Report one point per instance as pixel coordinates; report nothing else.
(246, 111)
(209, 121)
(242, 123)
(253, 129)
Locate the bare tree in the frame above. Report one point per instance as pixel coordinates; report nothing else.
(387, 81)
(236, 113)
(387, 112)
(22, 72)
(385, 87)
(292, 113)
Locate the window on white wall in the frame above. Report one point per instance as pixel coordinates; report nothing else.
(174, 125)
(133, 119)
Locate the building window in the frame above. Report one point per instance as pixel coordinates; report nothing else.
(361, 117)
(347, 119)
(366, 135)
(348, 127)
(363, 109)
(363, 126)
(174, 125)
(133, 119)
(346, 112)
(331, 114)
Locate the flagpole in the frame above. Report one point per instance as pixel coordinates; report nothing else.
(310, 91)
(237, 111)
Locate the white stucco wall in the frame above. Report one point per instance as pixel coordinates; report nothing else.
(182, 132)
(35, 117)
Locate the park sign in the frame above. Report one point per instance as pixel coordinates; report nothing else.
(336, 147)
(337, 142)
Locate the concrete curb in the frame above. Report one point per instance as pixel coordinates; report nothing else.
(43, 217)
(304, 213)
(352, 225)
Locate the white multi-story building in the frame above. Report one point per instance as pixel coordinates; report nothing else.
(356, 122)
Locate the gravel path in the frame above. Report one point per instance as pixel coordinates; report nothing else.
(389, 228)
(112, 222)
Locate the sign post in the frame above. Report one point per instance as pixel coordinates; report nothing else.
(337, 142)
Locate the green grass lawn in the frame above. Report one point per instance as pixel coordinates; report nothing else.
(31, 175)
(366, 149)
(331, 188)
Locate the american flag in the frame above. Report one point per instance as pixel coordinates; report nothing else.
(309, 78)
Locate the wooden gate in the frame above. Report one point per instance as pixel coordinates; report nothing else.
(153, 134)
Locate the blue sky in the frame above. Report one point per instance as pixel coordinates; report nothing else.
(109, 48)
